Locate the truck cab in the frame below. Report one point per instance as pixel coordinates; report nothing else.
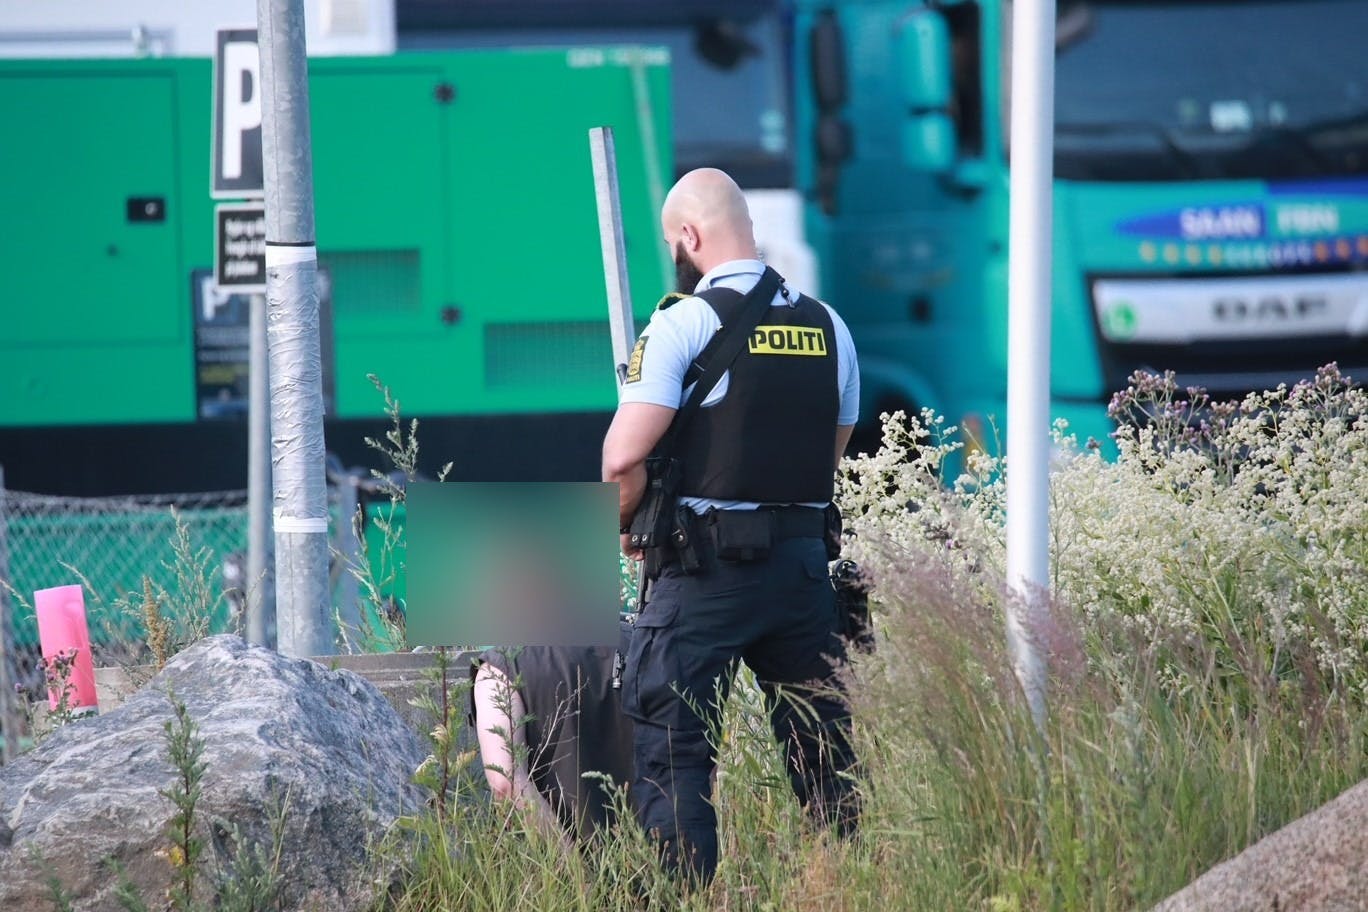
(1211, 214)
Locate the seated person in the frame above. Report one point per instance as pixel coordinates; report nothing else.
(572, 723)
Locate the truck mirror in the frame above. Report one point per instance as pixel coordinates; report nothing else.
(831, 135)
(827, 52)
(723, 43)
(924, 73)
(833, 140)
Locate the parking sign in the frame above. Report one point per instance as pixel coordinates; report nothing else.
(237, 171)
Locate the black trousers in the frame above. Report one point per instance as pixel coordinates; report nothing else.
(778, 615)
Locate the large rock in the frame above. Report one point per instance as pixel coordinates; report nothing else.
(1317, 863)
(403, 678)
(326, 742)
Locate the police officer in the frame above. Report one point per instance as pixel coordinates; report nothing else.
(758, 465)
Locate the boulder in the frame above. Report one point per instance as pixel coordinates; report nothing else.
(402, 677)
(324, 743)
(1317, 863)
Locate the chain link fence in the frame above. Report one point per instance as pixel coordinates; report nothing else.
(186, 550)
(177, 561)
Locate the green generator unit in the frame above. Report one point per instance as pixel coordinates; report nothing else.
(458, 243)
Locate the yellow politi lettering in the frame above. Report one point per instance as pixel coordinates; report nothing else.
(788, 340)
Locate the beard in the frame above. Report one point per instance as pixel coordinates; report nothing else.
(687, 275)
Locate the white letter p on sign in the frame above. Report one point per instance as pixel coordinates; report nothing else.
(241, 102)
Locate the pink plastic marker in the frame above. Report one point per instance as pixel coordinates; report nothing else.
(63, 633)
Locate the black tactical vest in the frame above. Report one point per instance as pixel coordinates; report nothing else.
(772, 438)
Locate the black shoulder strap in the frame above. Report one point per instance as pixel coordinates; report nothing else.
(727, 303)
(718, 355)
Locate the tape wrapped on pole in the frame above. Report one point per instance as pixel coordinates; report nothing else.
(303, 592)
(300, 524)
(278, 254)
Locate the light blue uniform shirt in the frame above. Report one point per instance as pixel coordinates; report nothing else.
(676, 335)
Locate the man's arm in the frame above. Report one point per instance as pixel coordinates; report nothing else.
(498, 707)
(636, 429)
(848, 381)
(843, 432)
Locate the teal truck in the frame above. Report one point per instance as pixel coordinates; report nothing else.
(1211, 194)
(1211, 177)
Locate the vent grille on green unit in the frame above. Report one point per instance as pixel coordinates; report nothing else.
(374, 281)
(524, 355)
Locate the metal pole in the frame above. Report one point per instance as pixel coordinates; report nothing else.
(621, 323)
(260, 581)
(349, 547)
(304, 622)
(1028, 328)
(9, 717)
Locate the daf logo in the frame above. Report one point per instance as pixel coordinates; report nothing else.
(1268, 308)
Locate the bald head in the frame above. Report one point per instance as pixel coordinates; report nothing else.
(705, 217)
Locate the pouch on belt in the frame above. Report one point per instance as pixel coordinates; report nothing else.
(740, 535)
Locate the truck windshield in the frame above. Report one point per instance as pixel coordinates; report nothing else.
(728, 65)
(1214, 89)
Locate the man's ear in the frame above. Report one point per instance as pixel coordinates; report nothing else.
(689, 235)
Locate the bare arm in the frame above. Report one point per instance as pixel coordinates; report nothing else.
(498, 706)
(843, 433)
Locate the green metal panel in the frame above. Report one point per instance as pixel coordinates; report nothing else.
(91, 301)
(513, 260)
(380, 200)
(448, 222)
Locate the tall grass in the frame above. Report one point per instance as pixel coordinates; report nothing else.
(1205, 641)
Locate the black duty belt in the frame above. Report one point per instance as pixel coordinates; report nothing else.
(735, 535)
(789, 522)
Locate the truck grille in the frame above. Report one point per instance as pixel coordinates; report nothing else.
(1231, 334)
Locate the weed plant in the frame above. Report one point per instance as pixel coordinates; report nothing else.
(155, 623)
(380, 562)
(44, 716)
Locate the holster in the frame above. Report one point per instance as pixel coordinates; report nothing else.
(831, 535)
(852, 605)
(654, 518)
(685, 541)
(625, 623)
